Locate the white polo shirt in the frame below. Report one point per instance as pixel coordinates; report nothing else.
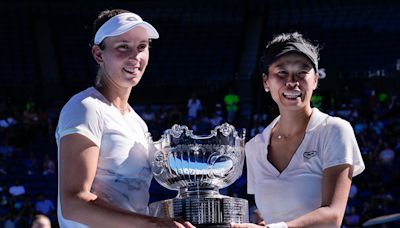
(329, 141)
(123, 172)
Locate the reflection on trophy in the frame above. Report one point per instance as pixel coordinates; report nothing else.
(198, 166)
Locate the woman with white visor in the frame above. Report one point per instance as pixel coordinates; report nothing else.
(104, 168)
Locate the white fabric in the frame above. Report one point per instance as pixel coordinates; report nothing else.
(329, 141)
(278, 225)
(123, 173)
(122, 23)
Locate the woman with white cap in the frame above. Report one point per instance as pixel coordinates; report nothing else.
(300, 167)
(104, 170)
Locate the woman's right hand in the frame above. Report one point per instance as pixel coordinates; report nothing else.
(162, 222)
(184, 225)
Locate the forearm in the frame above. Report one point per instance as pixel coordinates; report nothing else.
(95, 212)
(78, 164)
(322, 217)
(335, 191)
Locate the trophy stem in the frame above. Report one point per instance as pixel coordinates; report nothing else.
(197, 192)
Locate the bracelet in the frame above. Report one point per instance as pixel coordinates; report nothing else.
(277, 225)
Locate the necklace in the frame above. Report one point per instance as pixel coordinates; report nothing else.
(280, 136)
(293, 136)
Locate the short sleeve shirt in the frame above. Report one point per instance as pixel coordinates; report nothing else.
(123, 172)
(282, 196)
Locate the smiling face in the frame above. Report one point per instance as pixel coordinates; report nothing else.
(124, 58)
(291, 80)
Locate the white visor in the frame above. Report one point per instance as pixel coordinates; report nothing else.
(122, 23)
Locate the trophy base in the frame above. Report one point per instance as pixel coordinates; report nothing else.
(217, 211)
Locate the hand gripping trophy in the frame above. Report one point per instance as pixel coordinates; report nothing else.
(197, 167)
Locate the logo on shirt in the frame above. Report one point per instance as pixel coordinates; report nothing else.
(309, 154)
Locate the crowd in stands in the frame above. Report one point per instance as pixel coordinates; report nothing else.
(28, 170)
(28, 154)
(358, 37)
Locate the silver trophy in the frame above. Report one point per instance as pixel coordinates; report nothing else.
(197, 167)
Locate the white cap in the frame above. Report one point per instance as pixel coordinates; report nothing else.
(122, 23)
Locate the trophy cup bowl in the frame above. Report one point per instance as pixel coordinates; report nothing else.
(197, 167)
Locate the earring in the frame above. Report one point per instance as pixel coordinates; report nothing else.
(266, 90)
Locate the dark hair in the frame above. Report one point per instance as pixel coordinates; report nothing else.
(284, 39)
(104, 16)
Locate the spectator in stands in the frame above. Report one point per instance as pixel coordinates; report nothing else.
(217, 117)
(316, 101)
(4, 200)
(387, 155)
(10, 221)
(202, 126)
(162, 115)
(148, 115)
(6, 149)
(193, 106)
(352, 219)
(32, 164)
(304, 155)
(49, 167)
(44, 205)
(103, 146)
(41, 221)
(353, 190)
(231, 100)
(360, 125)
(17, 189)
(160, 123)
(257, 128)
(175, 116)
(6, 120)
(31, 116)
